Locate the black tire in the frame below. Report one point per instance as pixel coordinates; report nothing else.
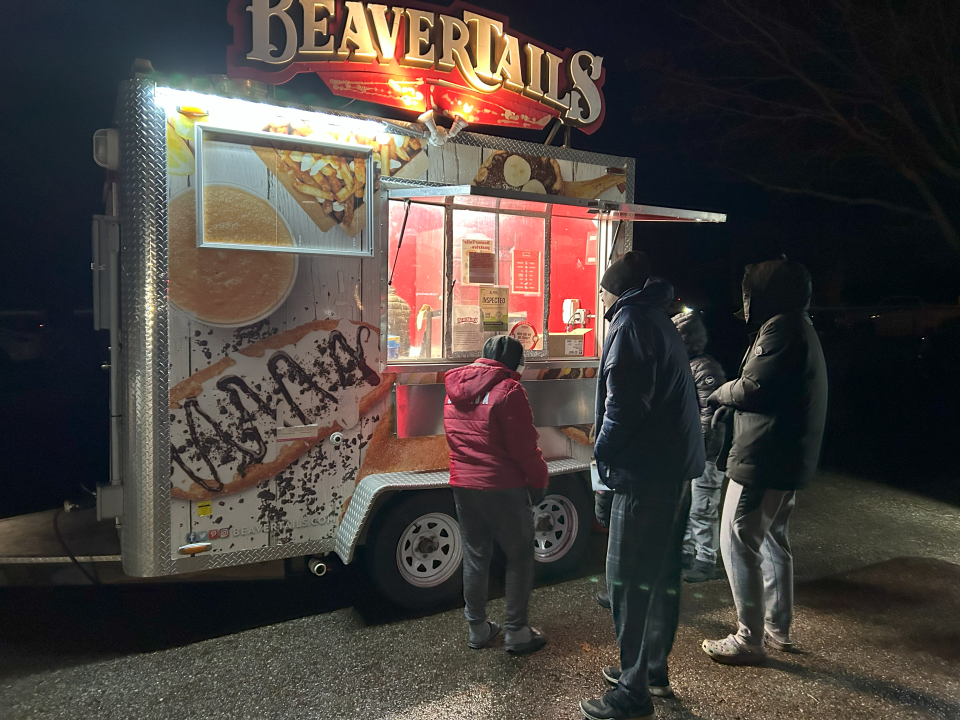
(574, 493)
(391, 526)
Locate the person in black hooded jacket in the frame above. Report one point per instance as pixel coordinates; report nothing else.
(648, 448)
(780, 406)
(701, 542)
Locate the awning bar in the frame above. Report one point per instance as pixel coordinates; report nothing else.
(515, 201)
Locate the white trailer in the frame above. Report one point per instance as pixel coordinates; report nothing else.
(285, 286)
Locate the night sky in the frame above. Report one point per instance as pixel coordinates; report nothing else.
(62, 66)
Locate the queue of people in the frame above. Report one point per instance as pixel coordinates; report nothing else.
(668, 425)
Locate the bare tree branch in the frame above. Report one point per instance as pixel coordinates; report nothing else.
(857, 100)
(902, 209)
(946, 226)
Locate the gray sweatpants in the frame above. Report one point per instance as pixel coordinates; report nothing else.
(756, 552)
(504, 516)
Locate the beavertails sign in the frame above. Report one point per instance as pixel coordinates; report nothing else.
(460, 60)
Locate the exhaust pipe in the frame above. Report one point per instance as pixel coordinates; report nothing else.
(317, 566)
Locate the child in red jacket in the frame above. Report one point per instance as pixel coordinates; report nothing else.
(496, 470)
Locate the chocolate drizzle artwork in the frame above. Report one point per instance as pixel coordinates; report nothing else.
(224, 418)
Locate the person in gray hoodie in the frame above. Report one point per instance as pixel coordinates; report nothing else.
(780, 407)
(701, 543)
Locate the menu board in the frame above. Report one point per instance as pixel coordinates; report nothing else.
(527, 271)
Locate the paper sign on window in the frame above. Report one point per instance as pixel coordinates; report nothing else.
(467, 324)
(494, 305)
(478, 260)
(527, 271)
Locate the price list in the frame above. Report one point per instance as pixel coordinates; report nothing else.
(527, 271)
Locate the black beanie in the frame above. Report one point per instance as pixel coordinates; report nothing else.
(632, 270)
(504, 349)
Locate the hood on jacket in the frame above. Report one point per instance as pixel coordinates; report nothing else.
(774, 287)
(465, 384)
(656, 292)
(693, 331)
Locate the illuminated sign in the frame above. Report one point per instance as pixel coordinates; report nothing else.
(461, 60)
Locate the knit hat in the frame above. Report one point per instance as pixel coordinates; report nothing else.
(504, 349)
(632, 270)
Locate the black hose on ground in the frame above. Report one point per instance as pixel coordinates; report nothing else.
(56, 529)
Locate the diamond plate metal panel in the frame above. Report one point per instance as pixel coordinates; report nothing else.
(145, 455)
(529, 148)
(372, 486)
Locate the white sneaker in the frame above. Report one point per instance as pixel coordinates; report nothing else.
(729, 651)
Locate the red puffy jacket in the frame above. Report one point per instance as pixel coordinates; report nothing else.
(489, 426)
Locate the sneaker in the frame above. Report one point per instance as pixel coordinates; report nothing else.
(603, 599)
(700, 571)
(482, 634)
(535, 641)
(687, 560)
(730, 652)
(783, 645)
(604, 709)
(661, 691)
(611, 673)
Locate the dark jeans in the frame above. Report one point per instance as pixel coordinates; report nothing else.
(643, 575)
(504, 516)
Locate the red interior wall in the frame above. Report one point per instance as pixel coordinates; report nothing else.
(420, 260)
(570, 275)
(420, 266)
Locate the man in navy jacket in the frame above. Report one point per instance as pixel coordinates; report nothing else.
(649, 447)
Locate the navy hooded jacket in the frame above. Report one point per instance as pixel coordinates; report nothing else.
(647, 416)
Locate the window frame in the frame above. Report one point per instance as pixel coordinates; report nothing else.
(449, 209)
(409, 191)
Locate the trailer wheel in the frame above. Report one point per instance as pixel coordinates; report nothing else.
(414, 554)
(562, 525)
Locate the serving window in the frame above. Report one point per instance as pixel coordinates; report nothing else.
(463, 269)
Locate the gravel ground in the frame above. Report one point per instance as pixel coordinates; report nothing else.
(878, 597)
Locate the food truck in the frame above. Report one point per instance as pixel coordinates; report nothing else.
(285, 286)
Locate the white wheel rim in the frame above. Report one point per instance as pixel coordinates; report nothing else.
(555, 524)
(429, 551)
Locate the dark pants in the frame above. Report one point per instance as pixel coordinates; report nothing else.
(643, 575)
(504, 516)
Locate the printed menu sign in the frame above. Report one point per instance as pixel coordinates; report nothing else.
(477, 260)
(494, 305)
(467, 321)
(526, 271)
